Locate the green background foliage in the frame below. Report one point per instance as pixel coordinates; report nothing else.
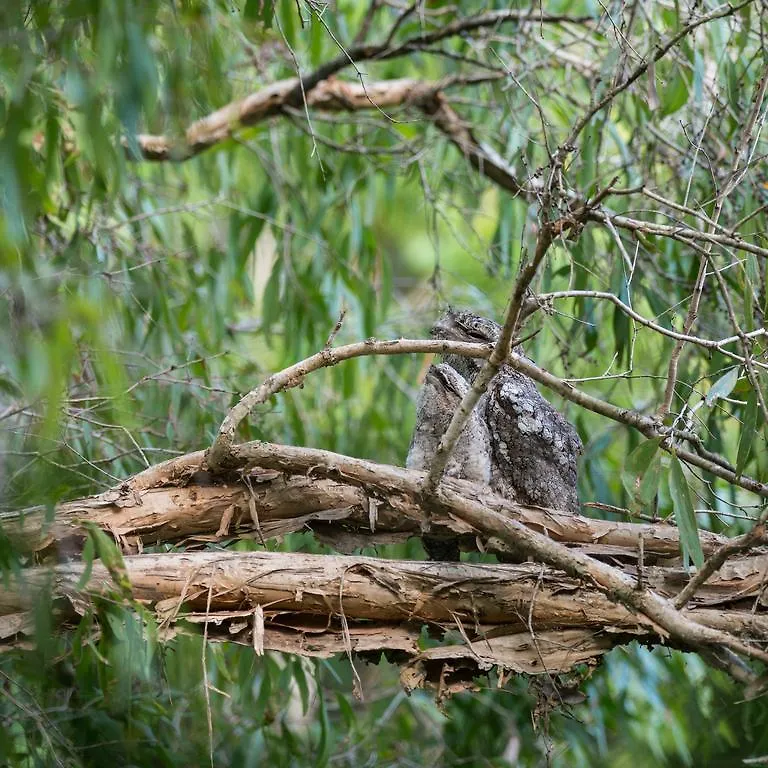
(140, 299)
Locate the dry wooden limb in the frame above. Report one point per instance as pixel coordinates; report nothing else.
(272, 489)
(220, 455)
(290, 499)
(521, 617)
(613, 582)
(330, 95)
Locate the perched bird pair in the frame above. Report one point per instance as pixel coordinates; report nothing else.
(514, 441)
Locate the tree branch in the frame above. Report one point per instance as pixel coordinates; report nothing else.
(178, 501)
(613, 583)
(317, 605)
(221, 451)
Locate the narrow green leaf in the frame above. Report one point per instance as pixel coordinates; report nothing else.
(347, 713)
(637, 464)
(621, 327)
(673, 95)
(89, 552)
(300, 679)
(747, 436)
(684, 514)
(109, 554)
(723, 386)
(323, 748)
(649, 485)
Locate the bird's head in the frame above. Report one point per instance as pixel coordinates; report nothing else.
(461, 325)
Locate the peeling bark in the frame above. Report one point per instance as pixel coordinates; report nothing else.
(510, 616)
(338, 511)
(523, 618)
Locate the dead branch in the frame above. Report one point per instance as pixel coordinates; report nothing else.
(384, 605)
(183, 503)
(490, 523)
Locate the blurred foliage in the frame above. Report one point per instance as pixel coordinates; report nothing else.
(139, 300)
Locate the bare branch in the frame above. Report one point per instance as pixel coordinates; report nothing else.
(384, 601)
(693, 309)
(294, 376)
(545, 299)
(717, 560)
(613, 583)
(674, 358)
(661, 50)
(221, 452)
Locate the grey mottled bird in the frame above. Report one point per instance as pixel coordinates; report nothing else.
(534, 449)
(443, 389)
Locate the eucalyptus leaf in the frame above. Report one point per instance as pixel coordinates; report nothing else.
(638, 464)
(748, 432)
(684, 514)
(723, 386)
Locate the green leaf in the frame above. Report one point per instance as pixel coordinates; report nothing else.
(347, 713)
(323, 749)
(723, 386)
(300, 679)
(684, 514)
(649, 485)
(621, 326)
(110, 556)
(260, 10)
(748, 429)
(673, 95)
(637, 466)
(698, 77)
(89, 552)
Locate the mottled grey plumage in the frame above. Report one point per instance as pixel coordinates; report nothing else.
(534, 449)
(443, 389)
(458, 325)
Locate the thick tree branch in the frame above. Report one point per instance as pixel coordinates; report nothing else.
(319, 605)
(615, 584)
(176, 501)
(717, 560)
(336, 95)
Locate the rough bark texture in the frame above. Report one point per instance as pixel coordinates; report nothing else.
(506, 615)
(525, 618)
(139, 514)
(322, 605)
